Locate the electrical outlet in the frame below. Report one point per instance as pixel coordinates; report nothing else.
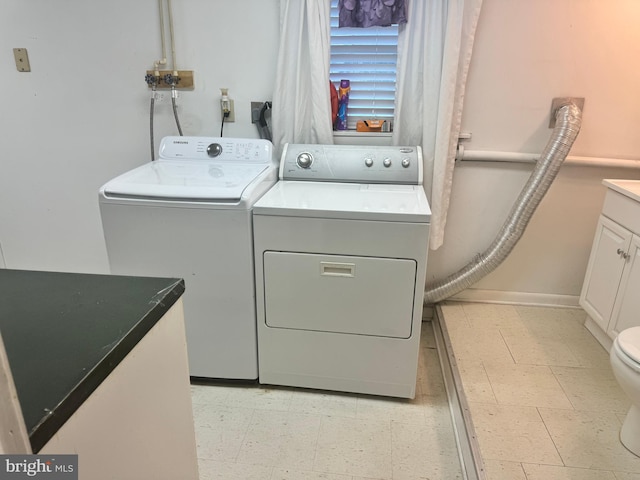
(256, 110)
(232, 112)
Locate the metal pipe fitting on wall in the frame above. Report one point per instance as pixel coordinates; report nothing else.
(568, 120)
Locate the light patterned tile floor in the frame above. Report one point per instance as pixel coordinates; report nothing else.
(251, 432)
(543, 399)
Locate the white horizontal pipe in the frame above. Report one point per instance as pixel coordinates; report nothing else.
(516, 157)
(492, 156)
(603, 162)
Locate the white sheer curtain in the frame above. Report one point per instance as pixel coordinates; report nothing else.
(434, 51)
(301, 100)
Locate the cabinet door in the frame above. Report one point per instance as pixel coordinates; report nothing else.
(626, 311)
(604, 271)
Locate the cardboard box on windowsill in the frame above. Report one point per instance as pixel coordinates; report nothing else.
(370, 126)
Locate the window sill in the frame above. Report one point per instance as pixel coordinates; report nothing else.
(351, 137)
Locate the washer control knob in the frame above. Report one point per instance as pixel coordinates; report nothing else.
(387, 162)
(368, 162)
(304, 160)
(406, 162)
(214, 149)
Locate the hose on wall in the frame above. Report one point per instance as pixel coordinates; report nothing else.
(568, 121)
(174, 95)
(152, 103)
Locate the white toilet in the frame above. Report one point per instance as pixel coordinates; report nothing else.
(625, 361)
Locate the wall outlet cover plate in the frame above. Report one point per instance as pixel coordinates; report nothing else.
(22, 59)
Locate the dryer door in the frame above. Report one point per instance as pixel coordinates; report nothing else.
(339, 294)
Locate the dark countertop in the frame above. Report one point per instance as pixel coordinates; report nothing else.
(64, 333)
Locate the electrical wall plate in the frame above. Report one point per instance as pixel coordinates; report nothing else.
(255, 111)
(185, 77)
(559, 102)
(22, 59)
(232, 112)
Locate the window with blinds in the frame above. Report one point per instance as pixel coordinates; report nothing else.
(367, 58)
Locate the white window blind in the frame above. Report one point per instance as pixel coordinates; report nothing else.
(366, 57)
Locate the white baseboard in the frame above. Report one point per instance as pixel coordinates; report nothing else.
(518, 298)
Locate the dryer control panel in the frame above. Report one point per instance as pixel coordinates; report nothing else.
(352, 163)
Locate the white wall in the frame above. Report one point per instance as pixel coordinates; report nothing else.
(81, 116)
(527, 52)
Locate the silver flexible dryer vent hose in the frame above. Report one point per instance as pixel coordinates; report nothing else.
(568, 120)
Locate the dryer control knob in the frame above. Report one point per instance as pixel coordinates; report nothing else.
(386, 162)
(406, 162)
(304, 160)
(368, 162)
(214, 149)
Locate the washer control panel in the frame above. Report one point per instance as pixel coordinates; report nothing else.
(352, 163)
(241, 150)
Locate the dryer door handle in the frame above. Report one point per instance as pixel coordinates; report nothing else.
(333, 269)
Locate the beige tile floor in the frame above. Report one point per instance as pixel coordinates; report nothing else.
(251, 432)
(543, 400)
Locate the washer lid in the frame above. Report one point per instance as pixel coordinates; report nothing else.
(629, 342)
(185, 179)
(383, 202)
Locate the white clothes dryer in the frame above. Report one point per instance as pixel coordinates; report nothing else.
(341, 250)
(188, 215)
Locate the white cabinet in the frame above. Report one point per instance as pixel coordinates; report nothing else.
(626, 311)
(611, 291)
(138, 423)
(605, 271)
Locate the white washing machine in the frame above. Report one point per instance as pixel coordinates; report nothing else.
(188, 215)
(341, 250)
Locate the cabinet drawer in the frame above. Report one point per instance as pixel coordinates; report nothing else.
(623, 210)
